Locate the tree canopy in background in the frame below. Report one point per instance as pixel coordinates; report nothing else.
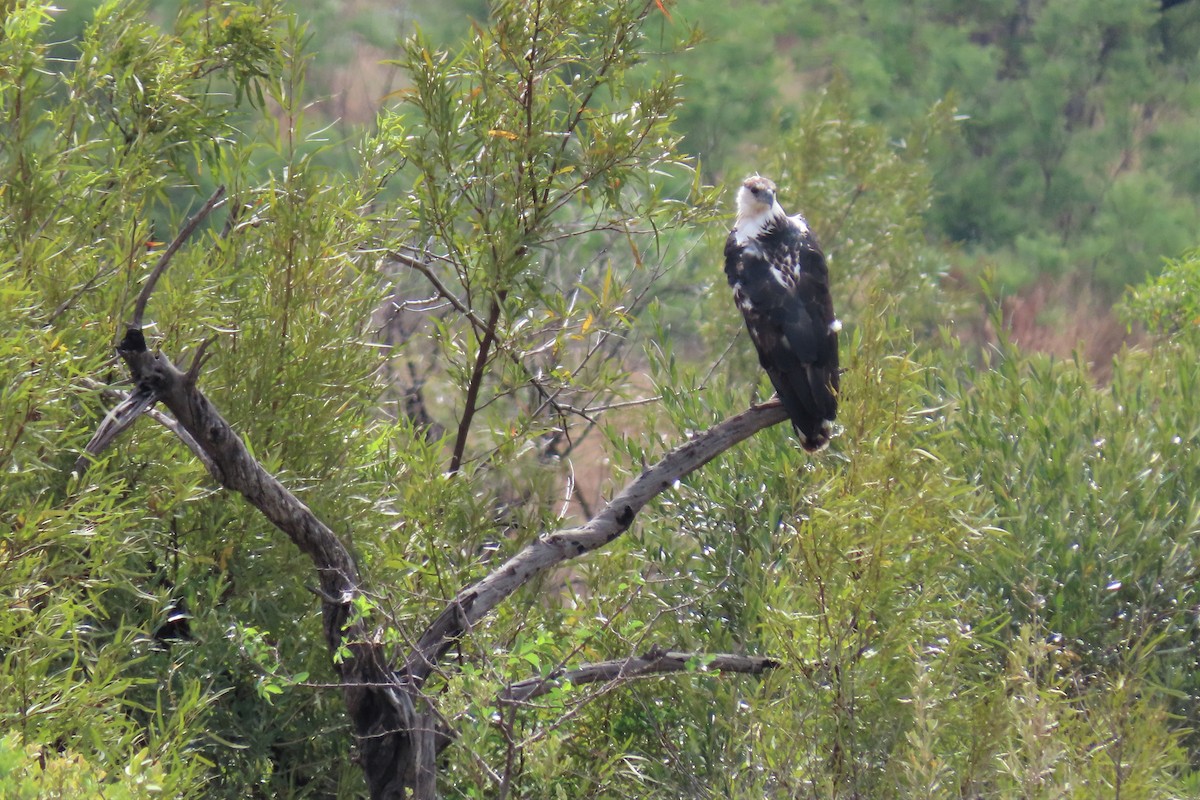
(1078, 119)
(458, 331)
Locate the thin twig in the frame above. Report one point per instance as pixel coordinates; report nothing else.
(481, 327)
(420, 265)
(477, 375)
(160, 267)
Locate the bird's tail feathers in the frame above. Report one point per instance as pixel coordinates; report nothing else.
(812, 410)
(814, 442)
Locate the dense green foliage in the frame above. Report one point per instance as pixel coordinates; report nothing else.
(93, 159)
(507, 300)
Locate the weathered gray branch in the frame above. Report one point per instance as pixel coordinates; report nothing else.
(123, 415)
(383, 722)
(236, 469)
(655, 662)
(397, 744)
(398, 740)
(118, 420)
(475, 602)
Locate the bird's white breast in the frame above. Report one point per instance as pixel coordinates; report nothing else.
(751, 225)
(748, 228)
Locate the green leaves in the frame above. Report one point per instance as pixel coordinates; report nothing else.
(539, 163)
(103, 154)
(1170, 303)
(271, 676)
(1089, 483)
(542, 242)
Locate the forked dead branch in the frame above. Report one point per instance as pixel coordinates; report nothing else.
(396, 724)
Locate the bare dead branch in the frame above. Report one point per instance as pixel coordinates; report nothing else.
(103, 438)
(160, 266)
(198, 361)
(655, 662)
(115, 422)
(143, 397)
(398, 742)
(475, 602)
(238, 470)
(395, 750)
(185, 437)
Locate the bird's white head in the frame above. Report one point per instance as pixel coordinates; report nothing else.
(757, 205)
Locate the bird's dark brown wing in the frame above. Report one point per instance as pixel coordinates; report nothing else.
(781, 288)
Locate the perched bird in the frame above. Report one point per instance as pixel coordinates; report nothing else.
(781, 285)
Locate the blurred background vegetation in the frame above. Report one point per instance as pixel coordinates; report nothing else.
(1069, 175)
(985, 589)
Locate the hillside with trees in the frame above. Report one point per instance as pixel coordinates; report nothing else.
(377, 420)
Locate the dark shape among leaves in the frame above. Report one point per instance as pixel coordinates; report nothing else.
(176, 627)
